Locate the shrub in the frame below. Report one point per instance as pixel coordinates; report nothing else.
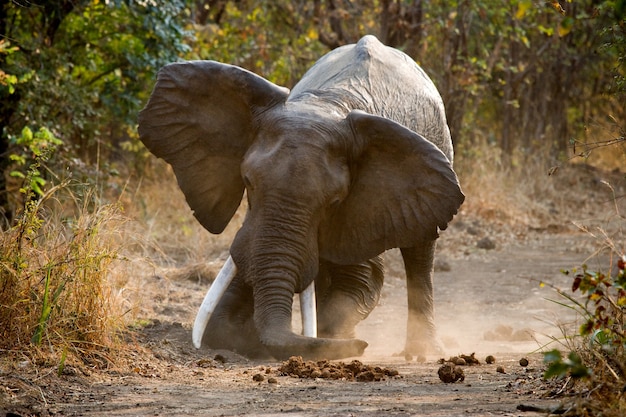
(596, 363)
(54, 294)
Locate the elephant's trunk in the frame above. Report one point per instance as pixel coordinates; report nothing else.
(273, 299)
(280, 261)
(272, 317)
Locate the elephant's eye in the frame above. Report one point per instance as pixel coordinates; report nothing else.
(335, 202)
(246, 182)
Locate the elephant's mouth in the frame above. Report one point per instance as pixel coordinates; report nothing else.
(280, 342)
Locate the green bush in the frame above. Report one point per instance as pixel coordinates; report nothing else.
(596, 362)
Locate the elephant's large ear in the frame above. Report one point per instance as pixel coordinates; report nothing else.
(403, 190)
(200, 119)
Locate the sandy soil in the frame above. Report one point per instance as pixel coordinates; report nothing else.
(489, 301)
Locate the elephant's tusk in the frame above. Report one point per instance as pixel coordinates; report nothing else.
(308, 311)
(212, 297)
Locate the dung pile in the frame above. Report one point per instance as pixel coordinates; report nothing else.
(354, 371)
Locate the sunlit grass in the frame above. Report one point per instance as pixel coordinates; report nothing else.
(531, 191)
(55, 294)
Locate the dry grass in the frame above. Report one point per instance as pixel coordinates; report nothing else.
(164, 220)
(54, 290)
(504, 194)
(537, 194)
(72, 269)
(589, 365)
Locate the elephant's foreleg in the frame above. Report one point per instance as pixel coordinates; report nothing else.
(421, 335)
(231, 326)
(352, 293)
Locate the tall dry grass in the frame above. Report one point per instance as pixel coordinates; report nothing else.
(531, 191)
(54, 264)
(171, 235)
(73, 266)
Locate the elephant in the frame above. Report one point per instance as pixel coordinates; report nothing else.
(356, 159)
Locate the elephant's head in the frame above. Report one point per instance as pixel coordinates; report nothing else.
(322, 182)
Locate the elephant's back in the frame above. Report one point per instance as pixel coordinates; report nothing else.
(380, 80)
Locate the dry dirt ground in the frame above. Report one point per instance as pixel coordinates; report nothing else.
(489, 301)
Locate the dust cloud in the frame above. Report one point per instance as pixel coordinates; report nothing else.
(488, 303)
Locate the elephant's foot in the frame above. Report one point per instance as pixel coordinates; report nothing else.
(243, 338)
(245, 341)
(422, 348)
(339, 315)
(343, 327)
(422, 340)
(251, 349)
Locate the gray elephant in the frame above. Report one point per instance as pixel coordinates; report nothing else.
(357, 159)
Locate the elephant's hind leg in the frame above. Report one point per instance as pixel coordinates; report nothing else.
(421, 335)
(351, 294)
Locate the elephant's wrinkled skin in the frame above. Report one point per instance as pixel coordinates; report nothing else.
(357, 159)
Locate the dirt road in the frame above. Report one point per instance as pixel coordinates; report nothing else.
(487, 301)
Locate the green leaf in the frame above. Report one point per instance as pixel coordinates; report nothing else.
(556, 370)
(559, 367)
(522, 8)
(546, 30)
(565, 26)
(27, 136)
(552, 356)
(19, 159)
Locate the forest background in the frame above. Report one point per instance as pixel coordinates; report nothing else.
(528, 79)
(528, 85)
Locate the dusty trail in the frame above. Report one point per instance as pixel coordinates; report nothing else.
(489, 302)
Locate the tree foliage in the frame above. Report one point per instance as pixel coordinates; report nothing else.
(527, 76)
(522, 74)
(80, 69)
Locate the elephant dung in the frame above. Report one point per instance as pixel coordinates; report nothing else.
(450, 373)
(354, 371)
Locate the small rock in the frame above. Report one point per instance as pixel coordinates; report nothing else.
(490, 359)
(258, 378)
(272, 380)
(366, 376)
(486, 243)
(470, 359)
(500, 369)
(473, 231)
(204, 363)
